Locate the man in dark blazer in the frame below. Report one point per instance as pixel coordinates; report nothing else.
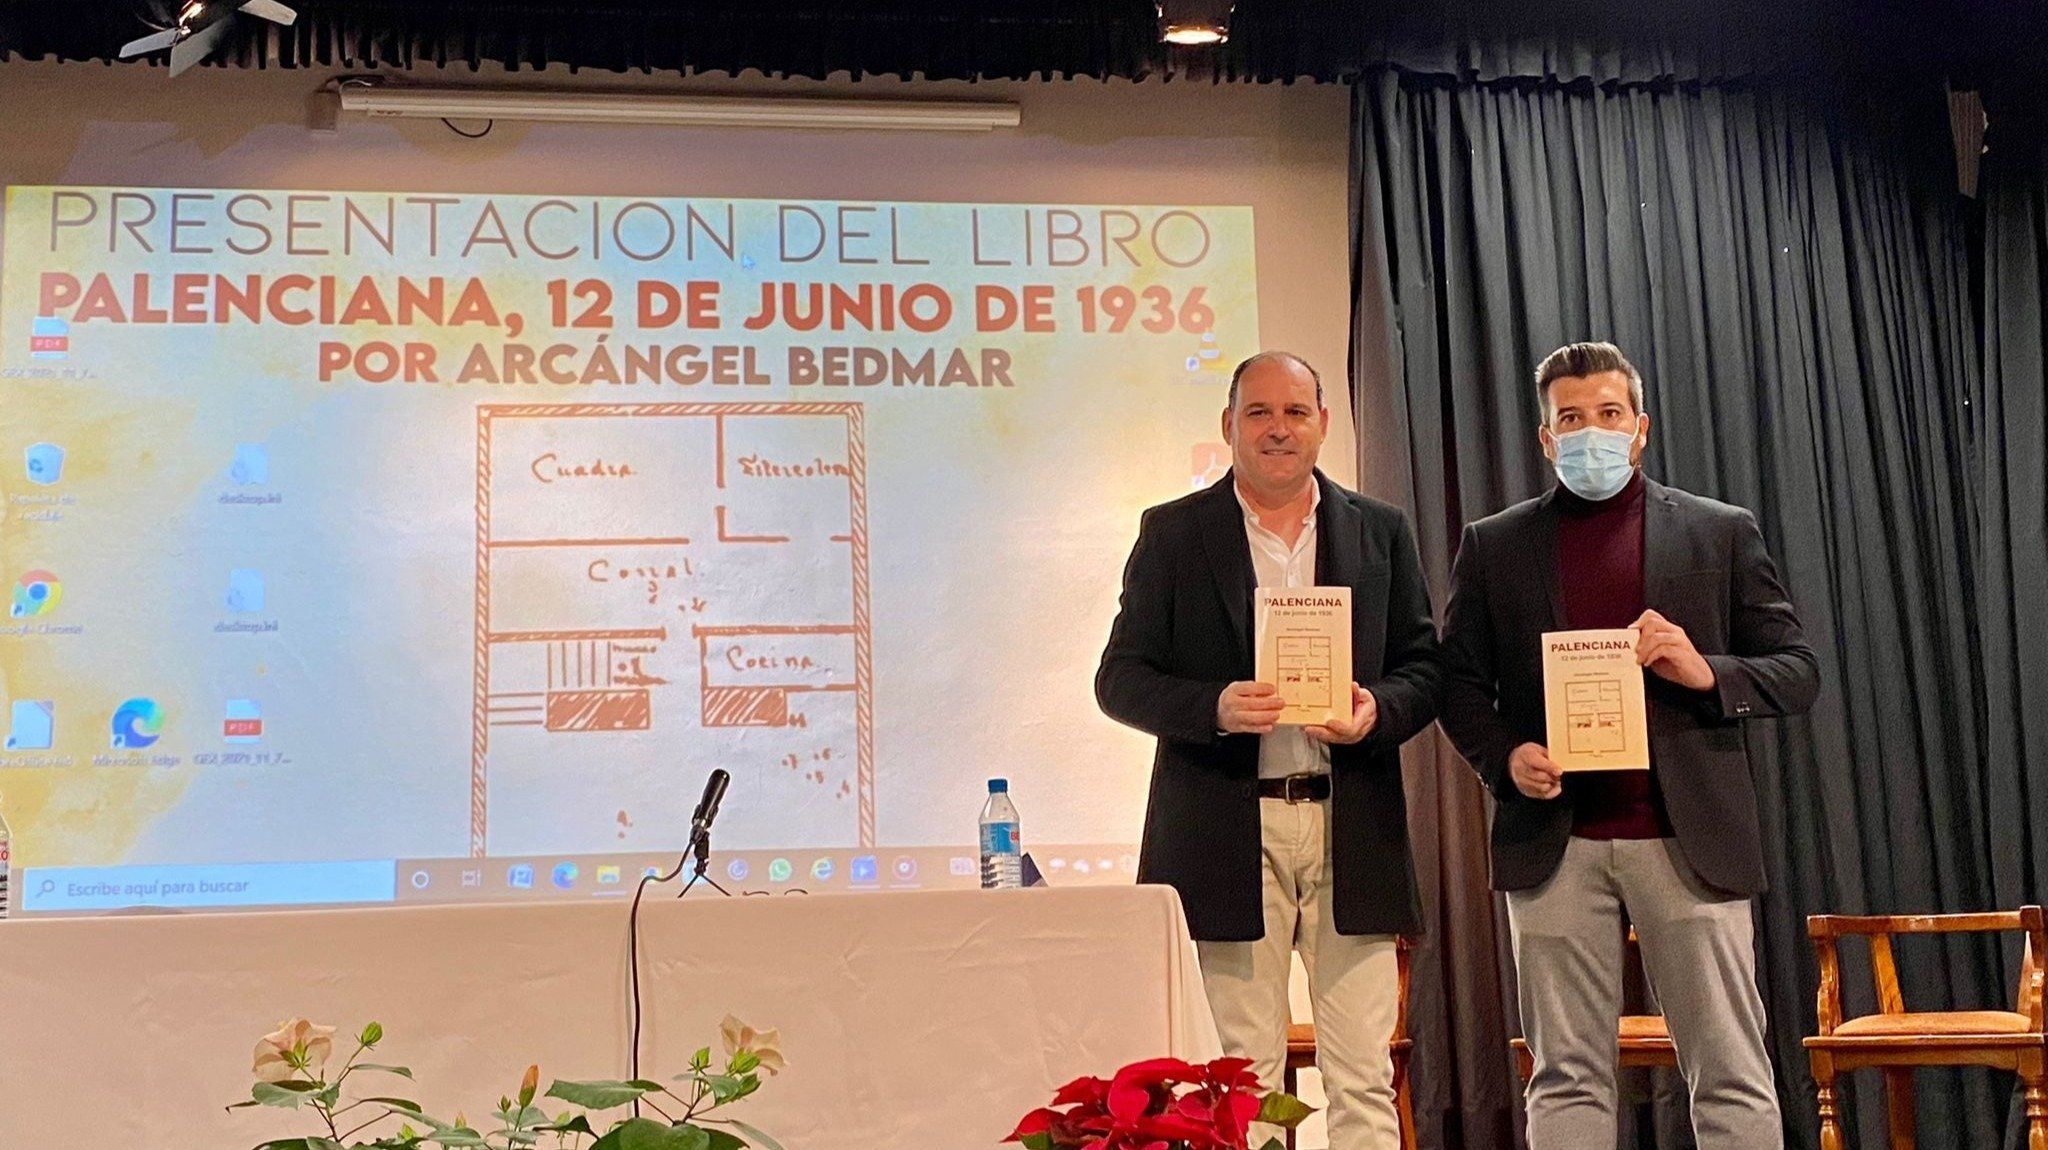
(1675, 850)
(1281, 838)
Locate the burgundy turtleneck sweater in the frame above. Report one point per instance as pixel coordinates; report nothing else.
(1600, 566)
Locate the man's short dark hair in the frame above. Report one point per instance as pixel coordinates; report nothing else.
(1576, 360)
(1275, 357)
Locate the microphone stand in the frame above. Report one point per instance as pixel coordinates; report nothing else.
(700, 845)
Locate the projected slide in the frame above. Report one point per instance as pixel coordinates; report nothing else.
(365, 547)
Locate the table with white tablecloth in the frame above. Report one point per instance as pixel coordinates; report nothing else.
(909, 1020)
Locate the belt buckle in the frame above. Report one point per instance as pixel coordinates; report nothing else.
(1289, 793)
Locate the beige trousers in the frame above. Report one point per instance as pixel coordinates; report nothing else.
(1353, 984)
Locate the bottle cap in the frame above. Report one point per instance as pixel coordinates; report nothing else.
(999, 786)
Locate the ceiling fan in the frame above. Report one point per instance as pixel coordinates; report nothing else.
(202, 24)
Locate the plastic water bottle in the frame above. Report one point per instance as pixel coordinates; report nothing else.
(6, 864)
(1002, 855)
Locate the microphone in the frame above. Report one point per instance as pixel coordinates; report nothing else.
(707, 807)
(707, 813)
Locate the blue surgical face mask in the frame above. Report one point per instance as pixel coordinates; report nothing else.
(1593, 462)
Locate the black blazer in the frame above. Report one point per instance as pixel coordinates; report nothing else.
(1184, 633)
(1705, 569)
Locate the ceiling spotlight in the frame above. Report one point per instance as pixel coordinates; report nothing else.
(1194, 22)
(202, 25)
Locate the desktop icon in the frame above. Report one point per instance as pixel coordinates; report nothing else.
(251, 465)
(472, 878)
(244, 722)
(821, 869)
(31, 725)
(137, 724)
(565, 875)
(45, 463)
(863, 869)
(49, 337)
(245, 590)
(421, 880)
(608, 876)
(36, 593)
(519, 877)
(737, 870)
(960, 866)
(779, 871)
(906, 868)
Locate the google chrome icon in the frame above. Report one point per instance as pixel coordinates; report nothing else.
(137, 723)
(36, 593)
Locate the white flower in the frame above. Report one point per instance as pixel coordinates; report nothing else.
(765, 1045)
(296, 1046)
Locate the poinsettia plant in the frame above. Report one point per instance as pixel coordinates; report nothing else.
(293, 1071)
(1161, 1104)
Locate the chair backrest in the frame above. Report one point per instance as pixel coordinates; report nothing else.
(1403, 959)
(1825, 929)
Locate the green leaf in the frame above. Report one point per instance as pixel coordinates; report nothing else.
(401, 1071)
(600, 1094)
(288, 1096)
(701, 1060)
(526, 1117)
(1043, 1141)
(407, 1109)
(720, 1140)
(756, 1137)
(647, 1134)
(1283, 1110)
(744, 1061)
(568, 1124)
(457, 1136)
(301, 1144)
(1274, 1144)
(724, 1087)
(372, 1035)
(329, 1097)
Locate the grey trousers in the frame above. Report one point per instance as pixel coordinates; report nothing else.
(1698, 959)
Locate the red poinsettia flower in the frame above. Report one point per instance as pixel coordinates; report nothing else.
(1158, 1104)
(1086, 1091)
(1138, 1088)
(1231, 1074)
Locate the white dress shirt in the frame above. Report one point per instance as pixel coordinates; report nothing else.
(1287, 751)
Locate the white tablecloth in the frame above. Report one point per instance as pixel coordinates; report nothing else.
(909, 1020)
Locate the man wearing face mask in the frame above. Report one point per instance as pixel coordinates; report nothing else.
(1675, 850)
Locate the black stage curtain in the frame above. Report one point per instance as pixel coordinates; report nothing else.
(2009, 428)
(1791, 272)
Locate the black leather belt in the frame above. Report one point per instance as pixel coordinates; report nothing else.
(1296, 788)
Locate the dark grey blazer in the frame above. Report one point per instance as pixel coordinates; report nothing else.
(1705, 569)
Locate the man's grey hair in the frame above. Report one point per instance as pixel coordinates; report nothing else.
(1275, 356)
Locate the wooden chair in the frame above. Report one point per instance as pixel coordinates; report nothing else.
(1645, 1040)
(1897, 1040)
(1301, 1052)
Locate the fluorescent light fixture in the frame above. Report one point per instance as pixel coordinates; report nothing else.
(650, 108)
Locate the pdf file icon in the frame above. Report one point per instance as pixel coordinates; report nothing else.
(49, 338)
(243, 723)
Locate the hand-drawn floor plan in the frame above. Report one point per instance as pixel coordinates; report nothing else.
(662, 589)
